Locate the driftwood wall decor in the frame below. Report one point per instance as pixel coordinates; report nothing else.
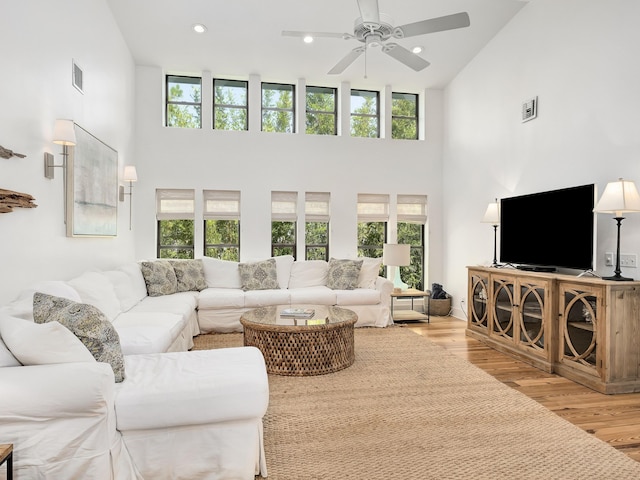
(10, 200)
(6, 153)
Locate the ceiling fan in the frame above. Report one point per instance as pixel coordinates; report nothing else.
(374, 29)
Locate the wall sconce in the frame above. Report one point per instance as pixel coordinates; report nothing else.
(397, 255)
(492, 216)
(63, 134)
(129, 175)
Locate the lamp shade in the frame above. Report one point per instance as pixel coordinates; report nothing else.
(64, 132)
(396, 254)
(492, 215)
(619, 197)
(130, 174)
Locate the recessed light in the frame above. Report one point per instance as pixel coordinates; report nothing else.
(199, 28)
(308, 39)
(417, 49)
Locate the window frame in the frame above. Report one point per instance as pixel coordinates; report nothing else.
(228, 210)
(168, 102)
(244, 107)
(317, 211)
(289, 214)
(185, 196)
(376, 116)
(415, 118)
(334, 112)
(292, 110)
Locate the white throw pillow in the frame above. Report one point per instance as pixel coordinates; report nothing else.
(7, 359)
(22, 307)
(42, 344)
(139, 287)
(309, 273)
(221, 273)
(369, 272)
(96, 289)
(283, 268)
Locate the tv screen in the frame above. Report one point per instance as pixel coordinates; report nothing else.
(549, 229)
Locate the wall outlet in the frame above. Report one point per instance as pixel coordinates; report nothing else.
(629, 260)
(608, 259)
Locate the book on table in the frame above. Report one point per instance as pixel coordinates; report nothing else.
(298, 312)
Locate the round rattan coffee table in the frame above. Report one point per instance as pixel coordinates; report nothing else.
(299, 346)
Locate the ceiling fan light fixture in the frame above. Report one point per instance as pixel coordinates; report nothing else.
(199, 28)
(417, 49)
(308, 39)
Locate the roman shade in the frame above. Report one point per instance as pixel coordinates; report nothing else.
(412, 208)
(373, 207)
(221, 205)
(284, 206)
(316, 207)
(175, 204)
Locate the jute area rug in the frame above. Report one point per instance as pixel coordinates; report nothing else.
(408, 409)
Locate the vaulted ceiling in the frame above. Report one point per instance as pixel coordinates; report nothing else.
(245, 37)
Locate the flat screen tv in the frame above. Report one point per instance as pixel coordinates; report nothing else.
(541, 231)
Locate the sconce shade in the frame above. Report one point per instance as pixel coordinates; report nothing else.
(492, 215)
(397, 255)
(64, 132)
(130, 174)
(619, 197)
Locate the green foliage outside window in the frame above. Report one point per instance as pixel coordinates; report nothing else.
(371, 239)
(321, 111)
(175, 239)
(404, 116)
(365, 114)
(277, 108)
(184, 102)
(283, 238)
(222, 239)
(230, 105)
(316, 241)
(413, 234)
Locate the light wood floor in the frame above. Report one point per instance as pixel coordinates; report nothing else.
(614, 419)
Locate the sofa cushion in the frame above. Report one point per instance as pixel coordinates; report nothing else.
(320, 295)
(123, 288)
(160, 277)
(95, 289)
(192, 388)
(148, 332)
(369, 272)
(22, 307)
(259, 275)
(358, 296)
(263, 298)
(7, 359)
(214, 298)
(343, 274)
(189, 275)
(309, 273)
(87, 323)
(138, 285)
(221, 273)
(34, 344)
(182, 303)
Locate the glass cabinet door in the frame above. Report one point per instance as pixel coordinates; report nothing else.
(479, 295)
(503, 302)
(532, 300)
(579, 321)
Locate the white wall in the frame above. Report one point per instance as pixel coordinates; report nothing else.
(256, 163)
(580, 57)
(39, 40)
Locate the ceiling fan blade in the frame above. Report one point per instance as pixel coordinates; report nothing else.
(369, 11)
(346, 61)
(300, 34)
(438, 24)
(403, 55)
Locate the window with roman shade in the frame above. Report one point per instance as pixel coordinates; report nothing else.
(316, 215)
(284, 217)
(221, 213)
(373, 216)
(412, 217)
(175, 213)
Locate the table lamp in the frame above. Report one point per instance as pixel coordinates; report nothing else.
(396, 255)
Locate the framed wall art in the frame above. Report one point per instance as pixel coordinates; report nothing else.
(92, 187)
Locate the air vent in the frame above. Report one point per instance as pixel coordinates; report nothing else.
(530, 109)
(76, 77)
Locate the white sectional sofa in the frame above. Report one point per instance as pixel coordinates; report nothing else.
(176, 414)
(224, 300)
